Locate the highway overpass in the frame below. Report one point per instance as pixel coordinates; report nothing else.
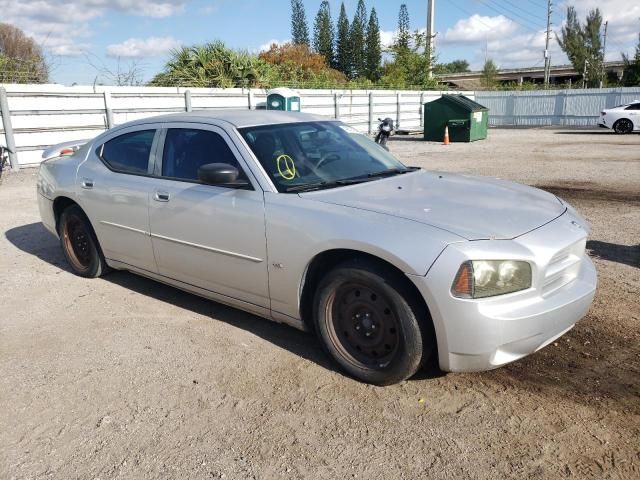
(559, 74)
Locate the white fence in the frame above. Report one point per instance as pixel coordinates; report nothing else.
(44, 115)
(553, 107)
(49, 114)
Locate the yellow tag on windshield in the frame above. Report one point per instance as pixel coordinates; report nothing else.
(286, 167)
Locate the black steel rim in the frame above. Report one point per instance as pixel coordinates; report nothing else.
(363, 325)
(77, 242)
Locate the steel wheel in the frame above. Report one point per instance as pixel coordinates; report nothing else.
(623, 126)
(370, 322)
(79, 243)
(76, 242)
(363, 325)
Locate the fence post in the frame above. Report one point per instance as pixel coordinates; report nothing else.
(8, 130)
(369, 129)
(250, 99)
(398, 107)
(510, 107)
(187, 100)
(336, 106)
(107, 108)
(421, 109)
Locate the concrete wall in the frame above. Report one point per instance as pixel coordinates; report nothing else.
(44, 115)
(553, 107)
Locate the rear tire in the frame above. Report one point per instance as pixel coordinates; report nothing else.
(623, 126)
(370, 324)
(79, 244)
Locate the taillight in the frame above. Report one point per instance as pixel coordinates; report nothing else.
(67, 151)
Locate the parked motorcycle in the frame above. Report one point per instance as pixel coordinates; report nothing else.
(4, 157)
(384, 131)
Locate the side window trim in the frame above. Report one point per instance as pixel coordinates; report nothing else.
(157, 152)
(100, 150)
(211, 128)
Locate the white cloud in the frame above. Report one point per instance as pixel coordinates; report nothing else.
(266, 46)
(478, 28)
(59, 25)
(142, 47)
(387, 38)
(511, 45)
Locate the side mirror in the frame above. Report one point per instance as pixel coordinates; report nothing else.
(220, 174)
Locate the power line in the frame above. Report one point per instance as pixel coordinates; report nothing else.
(519, 8)
(529, 26)
(464, 10)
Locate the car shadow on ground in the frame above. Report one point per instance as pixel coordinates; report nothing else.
(34, 239)
(625, 254)
(604, 131)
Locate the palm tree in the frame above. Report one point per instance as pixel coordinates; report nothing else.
(212, 65)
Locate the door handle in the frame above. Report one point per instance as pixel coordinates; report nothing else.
(86, 183)
(161, 196)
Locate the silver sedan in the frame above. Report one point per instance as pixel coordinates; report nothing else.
(304, 221)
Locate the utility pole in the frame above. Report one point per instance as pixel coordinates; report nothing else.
(604, 52)
(547, 60)
(430, 34)
(584, 74)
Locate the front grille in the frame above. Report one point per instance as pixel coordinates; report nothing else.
(563, 267)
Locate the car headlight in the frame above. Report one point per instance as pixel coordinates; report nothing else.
(488, 278)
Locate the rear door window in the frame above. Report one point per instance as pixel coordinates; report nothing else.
(128, 153)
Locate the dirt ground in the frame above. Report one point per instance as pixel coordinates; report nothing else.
(122, 377)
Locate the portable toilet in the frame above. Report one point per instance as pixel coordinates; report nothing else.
(283, 99)
(467, 120)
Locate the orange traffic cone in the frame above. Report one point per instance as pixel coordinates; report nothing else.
(446, 135)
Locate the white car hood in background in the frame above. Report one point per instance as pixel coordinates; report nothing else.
(472, 207)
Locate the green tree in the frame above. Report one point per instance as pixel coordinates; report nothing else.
(373, 48)
(456, 66)
(299, 28)
(21, 58)
(357, 41)
(631, 76)
(403, 38)
(323, 33)
(343, 43)
(410, 67)
(582, 44)
(489, 74)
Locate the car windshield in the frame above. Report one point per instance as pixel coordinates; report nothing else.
(316, 155)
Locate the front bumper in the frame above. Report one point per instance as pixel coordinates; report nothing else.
(487, 333)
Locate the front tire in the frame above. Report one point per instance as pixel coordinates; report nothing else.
(79, 244)
(623, 126)
(368, 322)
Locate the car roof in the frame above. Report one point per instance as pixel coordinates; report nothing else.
(237, 118)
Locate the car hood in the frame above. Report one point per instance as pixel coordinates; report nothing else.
(472, 207)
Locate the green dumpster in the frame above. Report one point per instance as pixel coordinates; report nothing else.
(467, 120)
(283, 99)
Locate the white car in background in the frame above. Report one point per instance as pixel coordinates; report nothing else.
(622, 119)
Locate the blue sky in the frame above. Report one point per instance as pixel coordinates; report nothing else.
(84, 38)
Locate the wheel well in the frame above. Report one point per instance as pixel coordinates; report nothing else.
(324, 262)
(621, 119)
(59, 206)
